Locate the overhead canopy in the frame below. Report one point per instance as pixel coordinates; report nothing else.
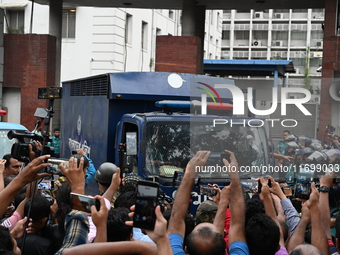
(240, 67)
(209, 4)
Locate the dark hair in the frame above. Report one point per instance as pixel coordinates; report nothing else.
(40, 208)
(8, 179)
(126, 199)
(6, 252)
(296, 252)
(337, 226)
(253, 207)
(217, 246)
(188, 221)
(7, 157)
(5, 239)
(20, 196)
(56, 129)
(262, 234)
(116, 228)
(64, 204)
(284, 131)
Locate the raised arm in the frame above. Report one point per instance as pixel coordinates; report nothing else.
(2, 169)
(27, 175)
(290, 212)
(326, 183)
(114, 186)
(181, 203)
(298, 236)
(237, 204)
(222, 207)
(269, 207)
(319, 239)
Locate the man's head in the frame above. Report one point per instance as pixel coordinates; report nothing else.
(206, 212)
(56, 132)
(263, 235)
(7, 242)
(39, 213)
(117, 230)
(285, 133)
(12, 165)
(205, 239)
(306, 249)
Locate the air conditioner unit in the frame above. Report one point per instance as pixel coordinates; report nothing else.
(278, 43)
(319, 44)
(225, 54)
(258, 15)
(278, 15)
(257, 43)
(315, 98)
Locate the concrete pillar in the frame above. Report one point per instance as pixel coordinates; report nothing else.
(55, 28)
(193, 21)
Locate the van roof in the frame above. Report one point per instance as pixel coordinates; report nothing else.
(7, 125)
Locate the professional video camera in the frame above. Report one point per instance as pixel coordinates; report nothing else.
(20, 149)
(330, 128)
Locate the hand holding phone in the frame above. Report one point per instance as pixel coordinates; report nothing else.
(207, 191)
(146, 202)
(84, 203)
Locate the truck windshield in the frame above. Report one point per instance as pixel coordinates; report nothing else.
(170, 145)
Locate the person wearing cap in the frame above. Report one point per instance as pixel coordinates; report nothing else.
(206, 212)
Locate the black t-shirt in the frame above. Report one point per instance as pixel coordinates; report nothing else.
(36, 245)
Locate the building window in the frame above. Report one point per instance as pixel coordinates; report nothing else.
(144, 35)
(128, 29)
(279, 35)
(171, 14)
(260, 35)
(242, 35)
(15, 21)
(158, 31)
(225, 35)
(69, 24)
(299, 35)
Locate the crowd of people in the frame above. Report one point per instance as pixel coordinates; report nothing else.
(34, 221)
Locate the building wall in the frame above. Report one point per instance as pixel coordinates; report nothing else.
(29, 63)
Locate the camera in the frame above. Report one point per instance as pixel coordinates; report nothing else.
(330, 128)
(20, 149)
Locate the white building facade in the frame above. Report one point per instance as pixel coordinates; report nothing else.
(103, 40)
(289, 34)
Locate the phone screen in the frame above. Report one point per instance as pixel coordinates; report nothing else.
(84, 203)
(302, 190)
(250, 186)
(178, 176)
(207, 191)
(146, 202)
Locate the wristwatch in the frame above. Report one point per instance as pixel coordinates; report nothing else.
(324, 189)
